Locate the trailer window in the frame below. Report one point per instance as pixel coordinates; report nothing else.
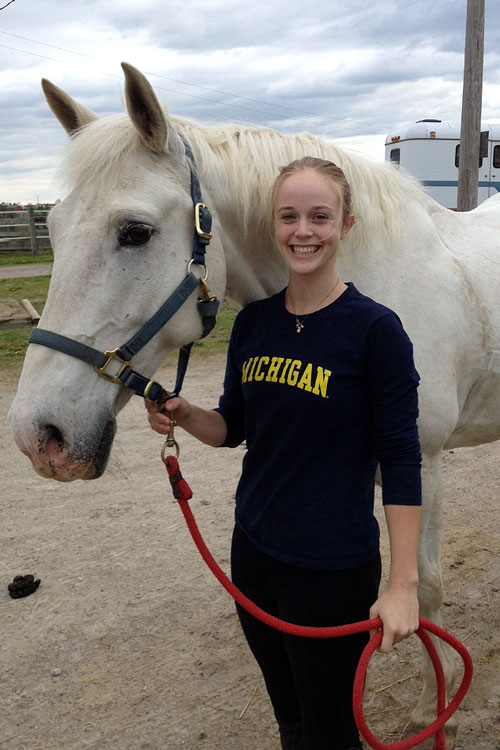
(396, 155)
(457, 158)
(496, 157)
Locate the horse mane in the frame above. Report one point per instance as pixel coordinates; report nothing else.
(239, 163)
(226, 152)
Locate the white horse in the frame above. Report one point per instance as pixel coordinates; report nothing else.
(122, 239)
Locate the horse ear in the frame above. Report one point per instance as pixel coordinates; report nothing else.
(146, 113)
(70, 114)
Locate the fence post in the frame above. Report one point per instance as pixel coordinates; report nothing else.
(31, 220)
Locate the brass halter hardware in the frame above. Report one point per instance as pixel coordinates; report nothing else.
(170, 442)
(113, 356)
(203, 221)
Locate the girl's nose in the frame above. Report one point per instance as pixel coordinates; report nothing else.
(303, 228)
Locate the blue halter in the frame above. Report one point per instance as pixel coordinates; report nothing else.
(115, 365)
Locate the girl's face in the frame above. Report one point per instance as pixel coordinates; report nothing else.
(309, 221)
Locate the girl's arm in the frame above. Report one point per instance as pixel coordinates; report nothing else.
(397, 606)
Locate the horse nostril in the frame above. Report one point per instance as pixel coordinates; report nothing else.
(53, 435)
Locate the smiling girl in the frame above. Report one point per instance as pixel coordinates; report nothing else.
(320, 383)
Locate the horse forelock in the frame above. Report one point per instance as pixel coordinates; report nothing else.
(239, 163)
(95, 155)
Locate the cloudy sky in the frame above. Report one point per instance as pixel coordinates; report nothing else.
(351, 69)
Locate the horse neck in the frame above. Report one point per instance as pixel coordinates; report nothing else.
(254, 269)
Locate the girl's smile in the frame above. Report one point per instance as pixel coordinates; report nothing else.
(305, 250)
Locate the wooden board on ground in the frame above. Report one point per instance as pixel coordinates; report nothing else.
(14, 314)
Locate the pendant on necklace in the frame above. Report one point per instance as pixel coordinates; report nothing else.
(298, 325)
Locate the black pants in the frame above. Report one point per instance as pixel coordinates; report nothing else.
(309, 680)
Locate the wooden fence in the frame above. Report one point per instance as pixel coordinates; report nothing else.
(24, 230)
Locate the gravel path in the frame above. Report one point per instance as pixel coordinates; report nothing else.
(21, 271)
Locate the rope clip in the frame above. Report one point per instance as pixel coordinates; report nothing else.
(170, 442)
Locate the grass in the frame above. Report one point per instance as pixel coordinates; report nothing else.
(17, 258)
(13, 343)
(34, 288)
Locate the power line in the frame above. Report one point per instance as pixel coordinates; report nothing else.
(44, 44)
(161, 88)
(246, 98)
(175, 80)
(339, 122)
(14, 49)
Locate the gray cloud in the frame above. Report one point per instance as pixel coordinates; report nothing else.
(337, 68)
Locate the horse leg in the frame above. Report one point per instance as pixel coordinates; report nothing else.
(431, 599)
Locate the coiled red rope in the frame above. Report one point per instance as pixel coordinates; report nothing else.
(182, 493)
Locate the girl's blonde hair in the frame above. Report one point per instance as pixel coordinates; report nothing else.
(324, 167)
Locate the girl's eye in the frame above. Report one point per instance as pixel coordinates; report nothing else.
(135, 234)
(287, 218)
(321, 217)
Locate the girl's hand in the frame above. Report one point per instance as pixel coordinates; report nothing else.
(206, 425)
(397, 607)
(160, 421)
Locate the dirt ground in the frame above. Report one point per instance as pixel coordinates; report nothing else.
(131, 644)
(30, 269)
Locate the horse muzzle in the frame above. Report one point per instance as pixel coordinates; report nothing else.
(58, 454)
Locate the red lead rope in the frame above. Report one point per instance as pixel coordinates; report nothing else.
(182, 493)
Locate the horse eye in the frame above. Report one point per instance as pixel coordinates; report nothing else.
(135, 234)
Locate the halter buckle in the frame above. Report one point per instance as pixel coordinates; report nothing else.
(203, 221)
(113, 356)
(147, 390)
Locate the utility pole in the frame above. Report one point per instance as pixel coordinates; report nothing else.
(470, 130)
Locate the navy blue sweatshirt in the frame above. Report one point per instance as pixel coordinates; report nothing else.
(319, 410)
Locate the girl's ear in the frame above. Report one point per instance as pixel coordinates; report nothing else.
(349, 221)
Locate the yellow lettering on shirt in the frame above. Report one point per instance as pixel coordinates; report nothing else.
(274, 367)
(293, 372)
(288, 372)
(321, 384)
(258, 374)
(255, 360)
(282, 379)
(245, 369)
(305, 380)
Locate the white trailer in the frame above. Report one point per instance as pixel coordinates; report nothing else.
(430, 151)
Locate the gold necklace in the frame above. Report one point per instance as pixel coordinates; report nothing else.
(299, 324)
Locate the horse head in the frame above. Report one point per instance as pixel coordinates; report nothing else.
(122, 242)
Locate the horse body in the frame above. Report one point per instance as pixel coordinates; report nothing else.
(437, 269)
(473, 238)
